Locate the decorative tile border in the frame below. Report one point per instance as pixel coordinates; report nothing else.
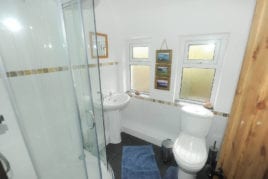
(35, 71)
(19, 73)
(170, 103)
(12, 74)
(108, 64)
(221, 113)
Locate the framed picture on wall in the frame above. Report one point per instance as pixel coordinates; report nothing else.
(100, 46)
(163, 56)
(162, 70)
(162, 83)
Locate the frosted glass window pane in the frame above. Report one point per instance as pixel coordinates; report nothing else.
(140, 52)
(201, 52)
(140, 77)
(197, 83)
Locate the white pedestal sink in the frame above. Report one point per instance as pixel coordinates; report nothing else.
(112, 105)
(115, 101)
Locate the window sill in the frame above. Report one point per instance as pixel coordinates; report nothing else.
(187, 102)
(183, 103)
(177, 103)
(144, 95)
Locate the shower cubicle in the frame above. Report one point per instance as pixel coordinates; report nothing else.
(53, 84)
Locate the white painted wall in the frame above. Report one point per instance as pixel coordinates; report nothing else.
(108, 23)
(170, 20)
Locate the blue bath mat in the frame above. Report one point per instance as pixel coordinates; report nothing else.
(138, 162)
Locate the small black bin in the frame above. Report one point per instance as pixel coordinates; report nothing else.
(166, 150)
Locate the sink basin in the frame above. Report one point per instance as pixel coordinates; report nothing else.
(115, 101)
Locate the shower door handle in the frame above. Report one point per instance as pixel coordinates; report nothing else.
(91, 115)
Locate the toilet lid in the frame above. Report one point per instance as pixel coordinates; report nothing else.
(190, 152)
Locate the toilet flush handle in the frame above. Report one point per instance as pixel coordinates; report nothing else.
(92, 118)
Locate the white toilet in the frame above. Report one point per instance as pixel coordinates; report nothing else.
(190, 149)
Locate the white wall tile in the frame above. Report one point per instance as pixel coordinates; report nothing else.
(11, 143)
(47, 108)
(39, 43)
(159, 121)
(162, 119)
(217, 131)
(109, 81)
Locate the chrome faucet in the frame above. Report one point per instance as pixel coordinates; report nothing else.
(105, 95)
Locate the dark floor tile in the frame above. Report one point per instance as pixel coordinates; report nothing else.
(116, 166)
(113, 150)
(114, 155)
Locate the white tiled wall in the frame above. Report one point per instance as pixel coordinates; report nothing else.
(11, 142)
(46, 102)
(39, 42)
(155, 122)
(216, 132)
(109, 78)
(50, 123)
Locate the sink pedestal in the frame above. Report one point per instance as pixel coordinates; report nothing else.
(112, 121)
(112, 104)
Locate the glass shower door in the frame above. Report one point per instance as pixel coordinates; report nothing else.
(94, 73)
(86, 79)
(53, 89)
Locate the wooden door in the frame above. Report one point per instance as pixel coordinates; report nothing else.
(244, 154)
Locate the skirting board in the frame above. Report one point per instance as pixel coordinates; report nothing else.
(154, 139)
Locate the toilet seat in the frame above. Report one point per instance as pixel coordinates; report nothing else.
(190, 152)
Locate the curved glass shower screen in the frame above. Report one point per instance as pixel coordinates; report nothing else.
(54, 86)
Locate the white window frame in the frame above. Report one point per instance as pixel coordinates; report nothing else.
(220, 41)
(142, 61)
(199, 42)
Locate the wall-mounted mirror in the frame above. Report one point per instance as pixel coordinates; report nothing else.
(102, 45)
